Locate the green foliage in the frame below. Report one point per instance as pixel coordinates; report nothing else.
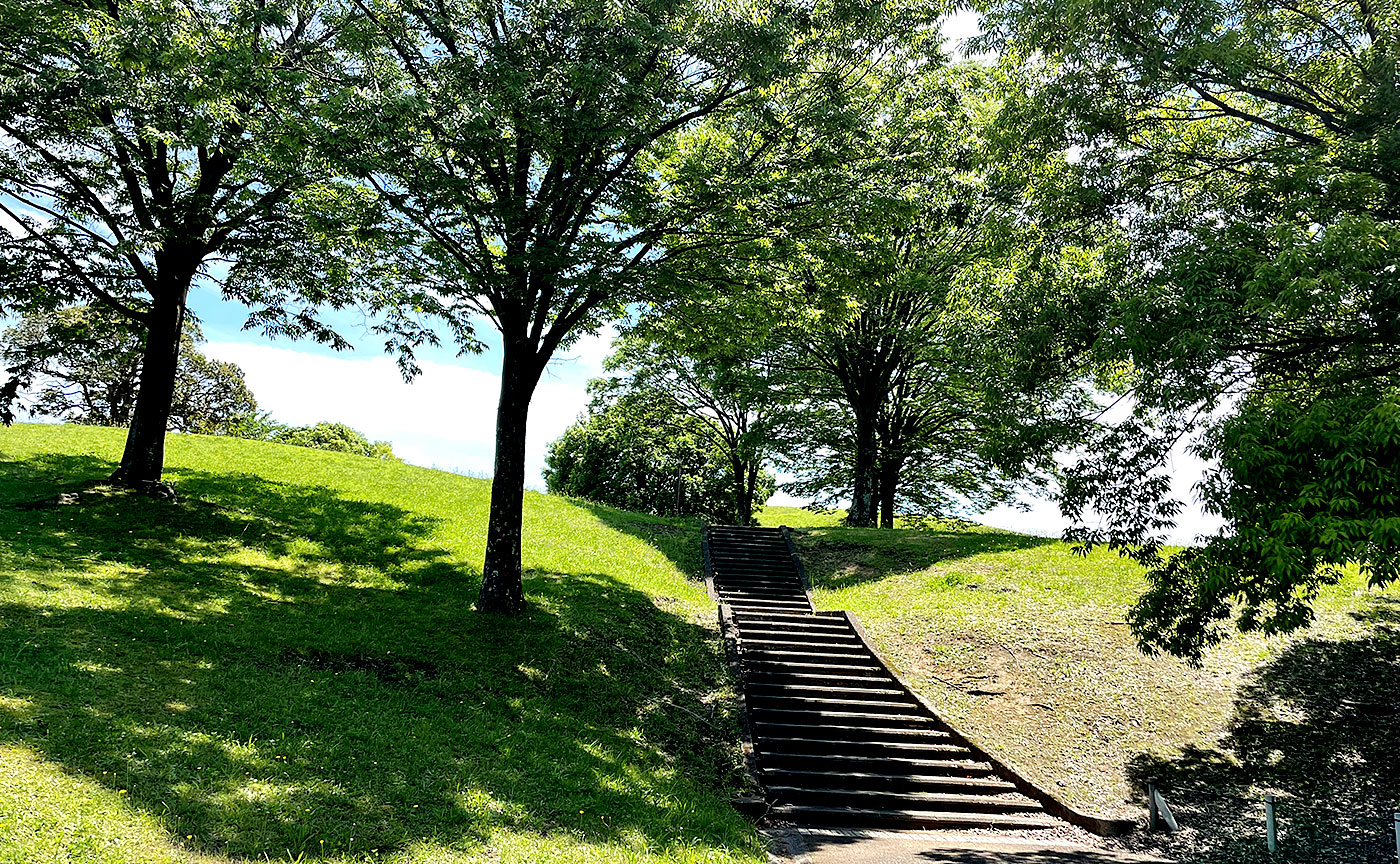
(1251, 150)
(1309, 490)
(900, 333)
(336, 437)
(704, 364)
(146, 141)
(644, 454)
(82, 364)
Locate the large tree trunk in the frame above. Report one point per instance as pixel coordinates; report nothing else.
(502, 589)
(144, 456)
(889, 484)
(743, 492)
(866, 481)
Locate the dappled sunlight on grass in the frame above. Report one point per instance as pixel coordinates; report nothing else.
(285, 663)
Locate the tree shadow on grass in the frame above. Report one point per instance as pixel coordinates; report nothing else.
(677, 539)
(1319, 726)
(49, 474)
(276, 671)
(847, 557)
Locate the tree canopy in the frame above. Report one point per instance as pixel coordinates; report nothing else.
(541, 152)
(640, 453)
(149, 146)
(1251, 148)
(83, 364)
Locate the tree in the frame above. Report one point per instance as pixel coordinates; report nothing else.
(1252, 150)
(533, 146)
(934, 256)
(147, 146)
(716, 368)
(86, 362)
(638, 453)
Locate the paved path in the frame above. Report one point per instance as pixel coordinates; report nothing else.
(814, 846)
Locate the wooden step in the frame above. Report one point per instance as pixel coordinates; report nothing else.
(791, 729)
(883, 749)
(821, 691)
(858, 817)
(787, 702)
(895, 782)
(1006, 802)
(775, 757)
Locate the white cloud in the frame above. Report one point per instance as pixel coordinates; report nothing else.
(445, 418)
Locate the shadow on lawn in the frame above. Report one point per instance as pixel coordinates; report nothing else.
(846, 557)
(49, 474)
(243, 668)
(678, 542)
(1319, 726)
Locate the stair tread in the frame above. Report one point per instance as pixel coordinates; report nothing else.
(932, 779)
(774, 743)
(1004, 799)
(778, 701)
(917, 732)
(832, 690)
(835, 815)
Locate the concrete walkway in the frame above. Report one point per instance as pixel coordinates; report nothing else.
(820, 846)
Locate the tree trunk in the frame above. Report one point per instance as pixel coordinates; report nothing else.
(745, 481)
(743, 496)
(749, 502)
(864, 490)
(889, 484)
(502, 589)
(144, 456)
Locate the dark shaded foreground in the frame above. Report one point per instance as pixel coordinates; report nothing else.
(1319, 726)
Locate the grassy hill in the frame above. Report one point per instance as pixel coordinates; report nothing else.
(285, 664)
(1023, 645)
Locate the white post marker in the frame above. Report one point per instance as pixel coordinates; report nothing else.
(1270, 829)
(1397, 836)
(1157, 808)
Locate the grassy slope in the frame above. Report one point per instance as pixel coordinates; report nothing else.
(1023, 645)
(285, 665)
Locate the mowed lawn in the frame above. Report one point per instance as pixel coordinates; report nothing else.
(284, 665)
(1024, 646)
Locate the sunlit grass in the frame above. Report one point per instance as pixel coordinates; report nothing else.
(284, 665)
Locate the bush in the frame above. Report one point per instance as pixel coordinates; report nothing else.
(321, 436)
(641, 455)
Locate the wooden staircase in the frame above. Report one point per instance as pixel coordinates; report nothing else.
(837, 739)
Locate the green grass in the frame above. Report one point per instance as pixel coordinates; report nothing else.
(285, 665)
(1023, 645)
